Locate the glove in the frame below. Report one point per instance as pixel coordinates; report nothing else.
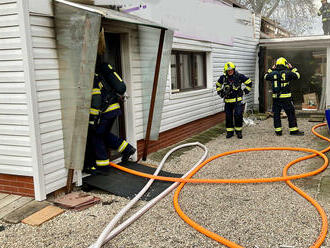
(246, 91)
(222, 93)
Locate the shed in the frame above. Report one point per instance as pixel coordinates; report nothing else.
(310, 55)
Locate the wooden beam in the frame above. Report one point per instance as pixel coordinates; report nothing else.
(153, 95)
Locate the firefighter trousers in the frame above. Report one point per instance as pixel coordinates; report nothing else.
(234, 116)
(287, 105)
(102, 139)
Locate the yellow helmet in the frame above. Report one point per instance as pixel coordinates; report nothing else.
(229, 66)
(282, 61)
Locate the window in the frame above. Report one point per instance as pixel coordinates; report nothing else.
(188, 71)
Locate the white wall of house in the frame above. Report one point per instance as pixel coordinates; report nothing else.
(185, 107)
(15, 140)
(46, 71)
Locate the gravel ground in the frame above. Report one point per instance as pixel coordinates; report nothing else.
(251, 215)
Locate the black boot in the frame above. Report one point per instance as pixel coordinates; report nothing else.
(278, 133)
(229, 135)
(239, 134)
(298, 133)
(129, 151)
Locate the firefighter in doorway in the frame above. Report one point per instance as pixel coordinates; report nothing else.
(280, 76)
(325, 12)
(108, 88)
(229, 87)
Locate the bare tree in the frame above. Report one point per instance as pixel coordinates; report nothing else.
(294, 15)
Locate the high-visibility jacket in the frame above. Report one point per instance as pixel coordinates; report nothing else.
(107, 87)
(231, 86)
(325, 12)
(280, 78)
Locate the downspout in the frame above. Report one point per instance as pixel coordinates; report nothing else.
(153, 94)
(31, 93)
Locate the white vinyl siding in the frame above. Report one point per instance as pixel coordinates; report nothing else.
(15, 141)
(186, 107)
(49, 106)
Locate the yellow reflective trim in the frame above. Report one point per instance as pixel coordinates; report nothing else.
(283, 76)
(112, 107)
(233, 100)
(294, 70)
(270, 70)
(117, 76)
(282, 95)
(100, 85)
(275, 76)
(278, 129)
(293, 129)
(248, 88)
(230, 129)
(218, 89)
(219, 84)
(298, 75)
(284, 84)
(238, 128)
(93, 111)
(110, 66)
(122, 146)
(102, 162)
(96, 91)
(247, 81)
(275, 84)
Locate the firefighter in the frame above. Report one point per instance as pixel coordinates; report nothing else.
(280, 76)
(108, 88)
(229, 87)
(325, 12)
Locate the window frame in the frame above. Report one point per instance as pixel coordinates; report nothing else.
(191, 54)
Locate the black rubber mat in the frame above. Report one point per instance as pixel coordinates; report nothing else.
(127, 185)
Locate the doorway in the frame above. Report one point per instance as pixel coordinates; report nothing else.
(113, 57)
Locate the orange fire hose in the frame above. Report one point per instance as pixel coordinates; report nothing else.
(285, 178)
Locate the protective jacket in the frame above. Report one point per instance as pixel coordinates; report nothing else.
(107, 88)
(230, 87)
(280, 78)
(325, 12)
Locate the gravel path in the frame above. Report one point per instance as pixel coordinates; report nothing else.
(262, 215)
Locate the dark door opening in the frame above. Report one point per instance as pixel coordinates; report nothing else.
(113, 57)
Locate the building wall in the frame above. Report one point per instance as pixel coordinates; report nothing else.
(46, 70)
(15, 140)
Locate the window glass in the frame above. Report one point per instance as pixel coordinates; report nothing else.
(188, 71)
(174, 82)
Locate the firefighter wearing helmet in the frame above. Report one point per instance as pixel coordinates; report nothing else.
(280, 76)
(229, 87)
(325, 12)
(108, 89)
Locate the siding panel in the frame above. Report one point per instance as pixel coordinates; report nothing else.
(15, 141)
(49, 105)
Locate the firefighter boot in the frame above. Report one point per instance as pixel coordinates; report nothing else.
(298, 133)
(239, 134)
(278, 133)
(229, 135)
(129, 151)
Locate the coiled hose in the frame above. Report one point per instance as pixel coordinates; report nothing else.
(285, 178)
